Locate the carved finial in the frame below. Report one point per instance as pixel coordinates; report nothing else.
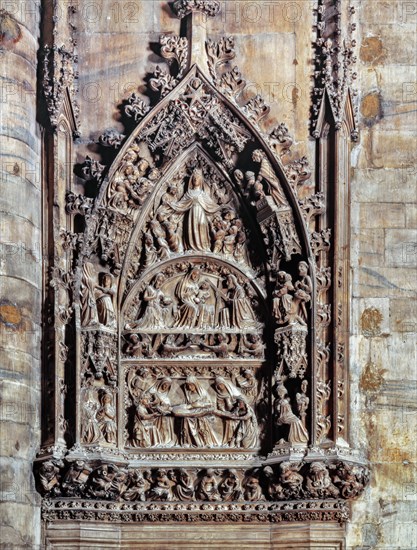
(182, 8)
(196, 13)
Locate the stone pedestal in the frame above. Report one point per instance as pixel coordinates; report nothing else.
(284, 536)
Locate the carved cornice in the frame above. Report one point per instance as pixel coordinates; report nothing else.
(335, 511)
(182, 8)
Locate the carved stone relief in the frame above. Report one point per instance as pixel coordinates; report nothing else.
(199, 297)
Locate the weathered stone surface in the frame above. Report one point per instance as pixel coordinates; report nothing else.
(382, 215)
(395, 185)
(20, 280)
(401, 247)
(371, 247)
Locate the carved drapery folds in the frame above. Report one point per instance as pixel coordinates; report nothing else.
(197, 295)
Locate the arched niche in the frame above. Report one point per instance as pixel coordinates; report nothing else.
(177, 203)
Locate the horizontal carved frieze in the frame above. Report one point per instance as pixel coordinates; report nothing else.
(222, 513)
(283, 482)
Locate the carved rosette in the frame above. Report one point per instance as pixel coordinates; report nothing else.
(201, 315)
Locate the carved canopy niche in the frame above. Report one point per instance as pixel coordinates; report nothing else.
(198, 379)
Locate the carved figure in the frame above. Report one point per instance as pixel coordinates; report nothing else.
(135, 347)
(188, 292)
(248, 384)
(75, 480)
(145, 434)
(196, 430)
(138, 382)
(291, 480)
(252, 488)
(219, 234)
(254, 188)
(246, 432)
(221, 348)
(350, 479)
(242, 314)
(136, 487)
(319, 483)
(206, 311)
(156, 314)
(89, 314)
(283, 298)
(303, 402)
(160, 237)
(297, 435)
(161, 487)
(226, 394)
(239, 253)
(208, 487)
(161, 404)
(252, 345)
(49, 478)
(175, 344)
(101, 481)
(195, 205)
(303, 290)
(183, 489)
(106, 417)
(230, 488)
(151, 254)
(91, 432)
(266, 174)
(104, 300)
(274, 487)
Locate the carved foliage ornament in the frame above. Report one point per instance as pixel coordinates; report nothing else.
(182, 8)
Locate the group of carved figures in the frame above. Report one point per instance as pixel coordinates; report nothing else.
(158, 422)
(197, 304)
(194, 222)
(290, 299)
(219, 345)
(288, 481)
(132, 183)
